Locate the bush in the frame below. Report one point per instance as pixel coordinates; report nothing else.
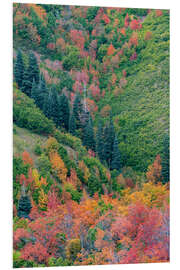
(73, 248)
(37, 150)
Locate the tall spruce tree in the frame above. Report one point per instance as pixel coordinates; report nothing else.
(55, 108)
(72, 125)
(47, 106)
(64, 112)
(77, 110)
(109, 136)
(116, 156)
(19, 69)
(165, 159)
(39, 92)
(100, 142)
(30, 74)
(88, 135)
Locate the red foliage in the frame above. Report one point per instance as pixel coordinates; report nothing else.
(159, 13)
(106, 18)
(51, 46)
(35, 252)
(27, 159)
(110, 50)
(123, 31)
(95, 91)
(126, 21)
(78, 38)
(134, 24)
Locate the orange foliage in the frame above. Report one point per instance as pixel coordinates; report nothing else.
(110, 50)
(58, 166)
(154, 171)
(27, 159)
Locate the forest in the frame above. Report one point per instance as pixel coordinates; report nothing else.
(90, 135)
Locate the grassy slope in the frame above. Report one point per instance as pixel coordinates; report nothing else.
(141, 113)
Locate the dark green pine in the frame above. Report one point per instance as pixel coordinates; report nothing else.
(77, 110)
(27, 84)
(47, 106)
(24, 207)
(72, 125)
(165, 159)
(55, 110)
(30, 74)
(109, 135)
(100, 142)
(63, 112)
(88, 135)
(19, 69)
(41, 92)
(116, 156)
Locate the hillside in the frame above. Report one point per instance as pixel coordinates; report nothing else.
(90, 135)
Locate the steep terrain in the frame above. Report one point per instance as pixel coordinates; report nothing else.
(90, 135)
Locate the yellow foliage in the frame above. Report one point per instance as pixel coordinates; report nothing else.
(43, 199)
(85, 169)
(73, 248)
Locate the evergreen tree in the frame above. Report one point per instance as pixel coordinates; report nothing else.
(116, 156)
(30, 74)
(24, 207)
(63, 112)
(109, 135)
(55, 108)
(47, 106)
(19, 69)
(77, 110)
(72, 125)
(33, 68)
(88, 135)
(100, 142)
(27, 84)
(165, 160)
(39, 92)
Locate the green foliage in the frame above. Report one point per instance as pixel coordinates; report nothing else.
(75, 195)
(166, 159)
(27, 115)
(91, 13)
(72, 59)
(58, 262)
(37, 150)
(19, 69)
(43, 164)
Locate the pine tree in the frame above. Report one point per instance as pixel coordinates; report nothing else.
(26, 84)
(55, 108)
(100, 142)
(39, 92)
(109, 135)
(165, 159)
(63, 112)
(77, 110)
(116, 156)
(19, 69)
(88, 135)
(24, 206)
(72, 125)
(33, 68)
(30, 74)
(47, 106)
